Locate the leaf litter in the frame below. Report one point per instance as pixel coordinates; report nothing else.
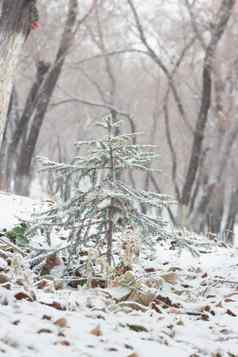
(174, 304)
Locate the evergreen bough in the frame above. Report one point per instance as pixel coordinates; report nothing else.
(95, 202)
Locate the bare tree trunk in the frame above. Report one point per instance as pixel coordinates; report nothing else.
(43, 96)
(223, 17)
(41, 102)
(22, 145)
(15, 24)
(7, 161)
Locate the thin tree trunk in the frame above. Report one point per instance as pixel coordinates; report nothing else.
(111, 207)
(8, 161)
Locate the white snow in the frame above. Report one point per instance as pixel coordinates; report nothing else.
(206, 284)
(14, 208)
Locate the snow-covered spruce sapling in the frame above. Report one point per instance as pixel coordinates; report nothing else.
(99, 203)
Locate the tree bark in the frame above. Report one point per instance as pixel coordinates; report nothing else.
(37, 105)
(8, 156)
(41, 102)
(15, 25)
(221, 22)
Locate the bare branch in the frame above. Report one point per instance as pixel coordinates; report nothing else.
(160, 63)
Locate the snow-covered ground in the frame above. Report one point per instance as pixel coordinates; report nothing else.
(14, 209)
(196, 312)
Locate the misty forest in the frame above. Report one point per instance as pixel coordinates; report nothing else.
(118, 178)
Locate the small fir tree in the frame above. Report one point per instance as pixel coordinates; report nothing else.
(94, 201)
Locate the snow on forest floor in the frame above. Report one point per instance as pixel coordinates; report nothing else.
(195, 311)
(13, 208)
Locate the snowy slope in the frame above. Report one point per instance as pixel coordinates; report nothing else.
(29, 329)
(200, 319)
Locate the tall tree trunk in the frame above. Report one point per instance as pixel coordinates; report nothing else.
(23, 141)
(221, 22)
(40, 103)
(15, 24)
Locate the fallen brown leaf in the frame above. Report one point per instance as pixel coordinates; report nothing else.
(112, 349)
(22, 295)
(204, 317)
(166, 302)
(51, 262)
(155, 307)
(42, 284)
(44, 330)
(4, 278)
(137, 328)
(63, 343)
(62, 322)
(46, 317)
(16, 322)
(150, 270)
(56, 305)
(141, 297)
(229, 300)
(61, 334)
(96, 331)
(231, 313)
(170, 278)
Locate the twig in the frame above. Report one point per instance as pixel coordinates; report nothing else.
(4, 254)
(12, 245)
(226, 281)
(41, 257)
